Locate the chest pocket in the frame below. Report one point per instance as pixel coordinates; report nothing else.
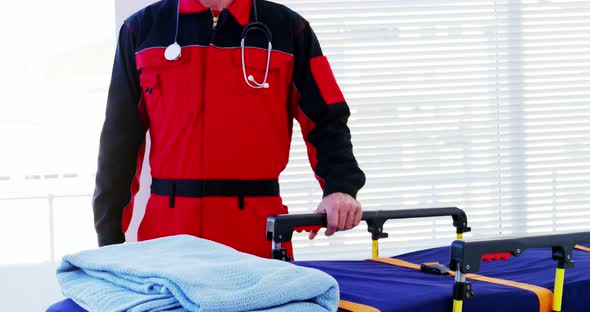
(170, 88)
(255, 60)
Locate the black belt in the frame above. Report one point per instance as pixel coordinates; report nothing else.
(221, 188)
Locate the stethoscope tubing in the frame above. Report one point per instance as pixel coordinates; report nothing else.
(174, 51)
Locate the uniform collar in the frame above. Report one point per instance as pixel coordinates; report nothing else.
(239, 9)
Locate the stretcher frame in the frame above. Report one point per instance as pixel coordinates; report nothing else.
(465, 256)
(280, 228)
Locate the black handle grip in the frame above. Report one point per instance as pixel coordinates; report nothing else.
(280, 228)
(468, 254)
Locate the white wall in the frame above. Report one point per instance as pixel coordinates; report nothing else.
(28, 288)
(32, 287)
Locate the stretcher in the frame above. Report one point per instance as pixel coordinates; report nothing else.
(513, 274)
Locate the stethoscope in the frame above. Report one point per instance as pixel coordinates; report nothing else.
(174, 51)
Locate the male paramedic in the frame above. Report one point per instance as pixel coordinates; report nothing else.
(220, 117)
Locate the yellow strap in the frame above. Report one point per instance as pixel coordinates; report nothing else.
(583, 248)
(544, 295)
(356, 307)
(397, 262)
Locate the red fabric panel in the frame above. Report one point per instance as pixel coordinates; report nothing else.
(174, 107)
(242, 229)
(206, 123)
(160, 220)
(246, 130)
(240, 9)
(202, 112)
(128, 210)
(325, 80)
(154, 58)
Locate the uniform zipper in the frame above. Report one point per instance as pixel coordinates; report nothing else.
(215, 19)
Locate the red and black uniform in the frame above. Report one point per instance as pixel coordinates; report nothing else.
(217, 145)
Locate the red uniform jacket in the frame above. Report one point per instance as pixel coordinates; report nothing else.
(217, 145)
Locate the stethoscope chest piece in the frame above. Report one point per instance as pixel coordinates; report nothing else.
(173, 52)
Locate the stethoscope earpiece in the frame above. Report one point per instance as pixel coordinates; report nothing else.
(257, 85)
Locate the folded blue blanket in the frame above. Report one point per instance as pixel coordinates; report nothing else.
(185, 273)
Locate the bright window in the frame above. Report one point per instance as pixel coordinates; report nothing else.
(477, 104)
(56, 64)
(484, 105)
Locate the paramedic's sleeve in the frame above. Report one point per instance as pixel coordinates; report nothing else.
(320, 108)
(121, 145)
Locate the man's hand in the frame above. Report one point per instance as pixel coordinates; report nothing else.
(344, 213)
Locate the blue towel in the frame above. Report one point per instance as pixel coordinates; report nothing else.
(186, 273)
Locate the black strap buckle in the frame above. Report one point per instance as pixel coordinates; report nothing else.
(462, 291)
(434, 268)
(281, 254)
(172, 194)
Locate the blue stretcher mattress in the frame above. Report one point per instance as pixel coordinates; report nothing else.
(395, 289)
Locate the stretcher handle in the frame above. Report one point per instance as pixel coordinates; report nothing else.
(467, 255)
(311, 228)
(279, 228)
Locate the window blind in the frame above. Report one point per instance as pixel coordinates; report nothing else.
(483, 105)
